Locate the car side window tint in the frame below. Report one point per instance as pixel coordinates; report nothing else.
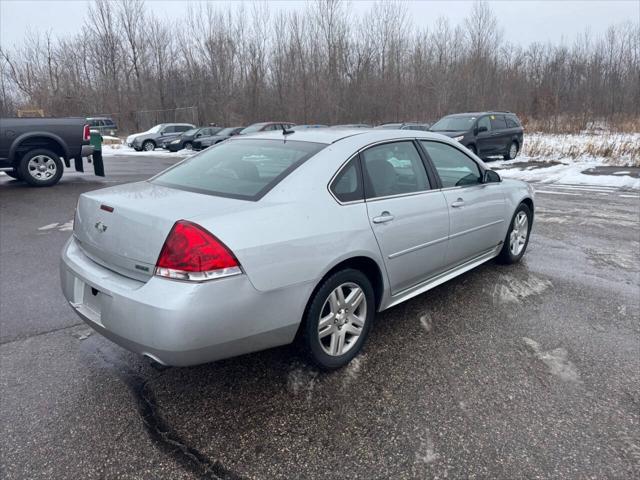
(484, 122)
(454, 167)
(168, 129)
(511, 122)
(393, 169)
(347, 186)
(497, 122)
(182, 128)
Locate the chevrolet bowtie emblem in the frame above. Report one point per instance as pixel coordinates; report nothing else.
(101, 227)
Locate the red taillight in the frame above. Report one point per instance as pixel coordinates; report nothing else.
(192, 253)
(86, 134)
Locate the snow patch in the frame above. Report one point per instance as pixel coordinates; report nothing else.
(427, 453)
(427, 322)
(570, 173)
(352, 371)
(557, 361)
(48, 227)
(301, 380)
(64, 227)
(514, 290)
(123, 150)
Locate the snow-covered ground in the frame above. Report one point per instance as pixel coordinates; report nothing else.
(566, 172)
(550, 158)
(112, 150)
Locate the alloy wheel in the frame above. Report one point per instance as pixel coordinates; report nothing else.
(342, 319)
(513, 151)
(42, 167)
(519, 233)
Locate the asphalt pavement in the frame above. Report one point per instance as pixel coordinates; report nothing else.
(524, 371)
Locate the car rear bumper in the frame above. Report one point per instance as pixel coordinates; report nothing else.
(87, 150)
(179, 323)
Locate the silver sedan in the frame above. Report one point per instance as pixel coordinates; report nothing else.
(301, 236)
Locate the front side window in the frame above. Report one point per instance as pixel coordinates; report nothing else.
(182, 128)
(393, 169)
(454, 167)
(485, 122)
(244, 169)
(347, 186)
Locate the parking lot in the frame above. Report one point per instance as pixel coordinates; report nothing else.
(525, 371)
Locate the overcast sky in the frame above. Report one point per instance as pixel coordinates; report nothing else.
(522, 21)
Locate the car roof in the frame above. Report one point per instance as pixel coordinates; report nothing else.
(477, 114)
(333, 135)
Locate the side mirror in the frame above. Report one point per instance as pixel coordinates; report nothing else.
(490, 176)
(482, 129)
(198, 135)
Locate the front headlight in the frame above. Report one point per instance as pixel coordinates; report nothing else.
(458, 139)
(175, 141)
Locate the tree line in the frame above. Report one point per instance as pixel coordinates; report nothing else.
(321, 64)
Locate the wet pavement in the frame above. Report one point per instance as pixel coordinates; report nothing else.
(530, 370)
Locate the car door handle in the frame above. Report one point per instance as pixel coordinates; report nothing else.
(458, 203)
(383, 218)
(495, 134)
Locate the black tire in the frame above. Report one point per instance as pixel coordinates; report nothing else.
(473, 149)
(506, 256)
(148, 145)
(33, 175)
(309, 338)
(13, 174)
(512, 152)
(188, 145)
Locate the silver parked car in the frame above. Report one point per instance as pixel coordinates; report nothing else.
(157, 135)
(270, 238)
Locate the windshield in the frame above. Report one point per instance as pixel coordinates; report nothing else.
(244, 169)
(453, 124)
(155, 129)
(226, 131)
(193, 131)
(256, 127)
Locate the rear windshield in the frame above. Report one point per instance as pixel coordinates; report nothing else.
(453, 124)
(244, 169)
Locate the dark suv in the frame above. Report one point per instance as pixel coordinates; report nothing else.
(486, 134)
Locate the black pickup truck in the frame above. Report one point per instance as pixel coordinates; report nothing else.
(34, 149)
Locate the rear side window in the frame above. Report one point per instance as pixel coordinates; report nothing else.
(497, 122)
(393, 169)
(243, 169)
(182, 128)
(512, 122)
(454, 168)
(347, 186)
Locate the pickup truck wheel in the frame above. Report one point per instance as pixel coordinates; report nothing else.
(40, 168)
(148, 145)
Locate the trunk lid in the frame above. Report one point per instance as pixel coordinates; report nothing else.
(123, 228)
